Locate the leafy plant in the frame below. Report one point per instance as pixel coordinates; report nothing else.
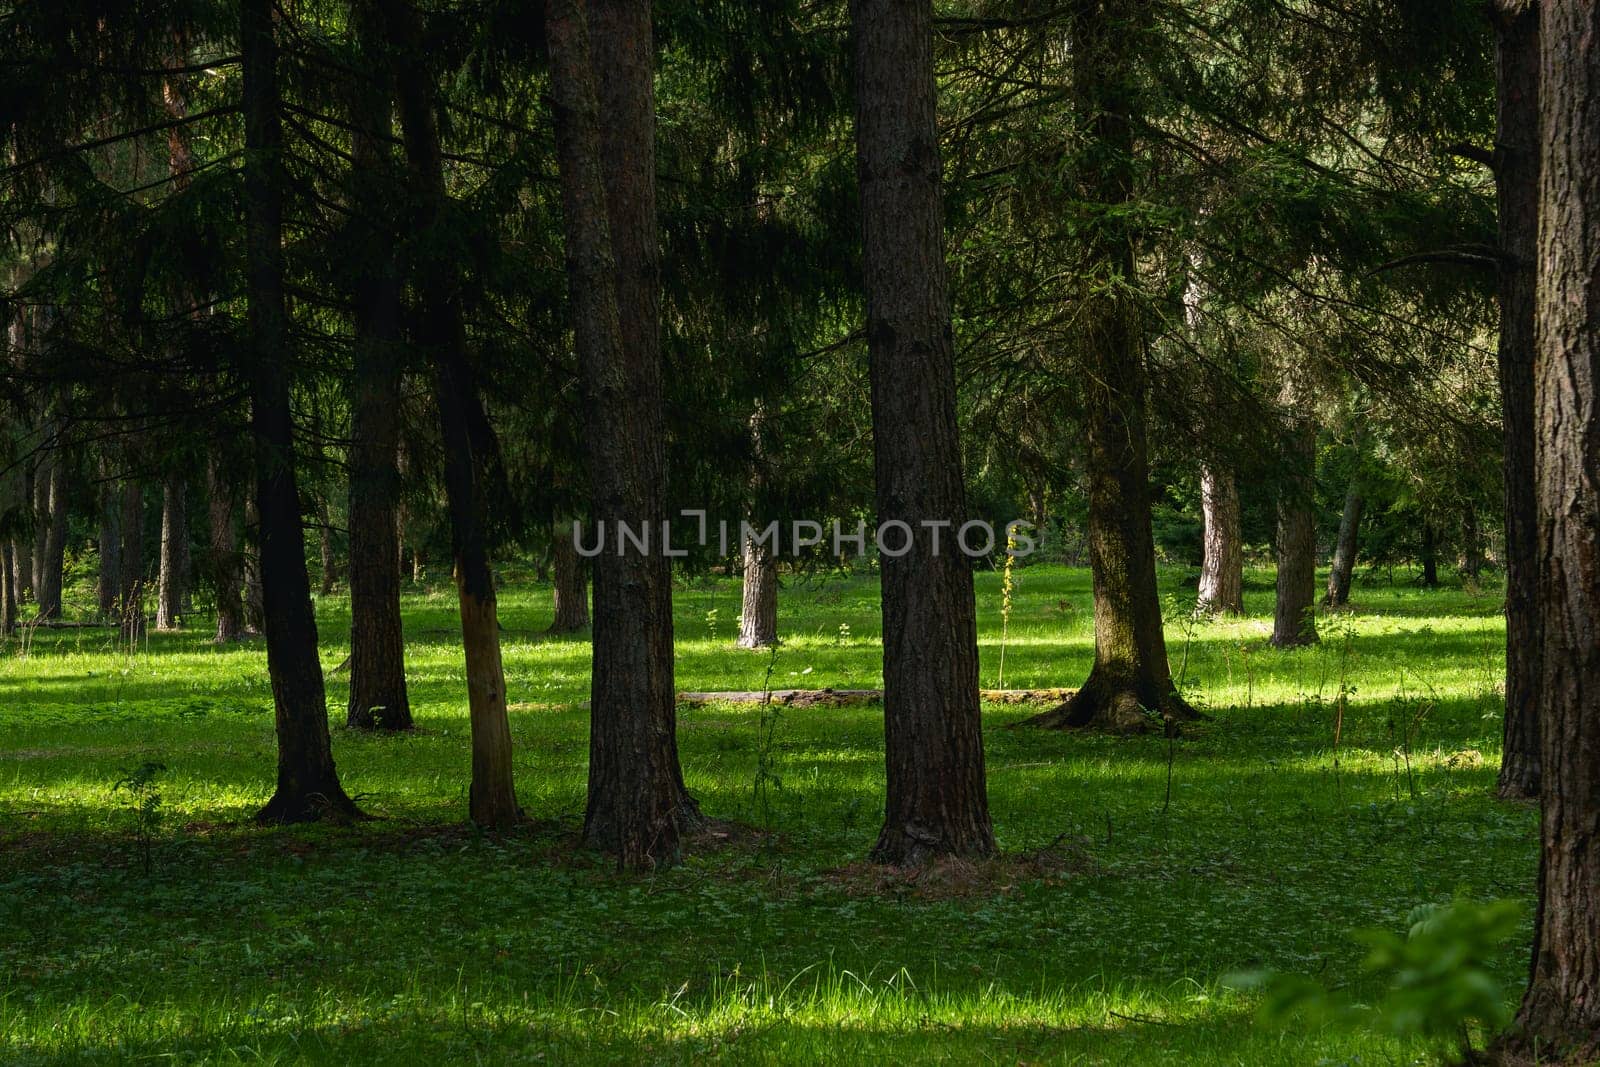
(143, 786)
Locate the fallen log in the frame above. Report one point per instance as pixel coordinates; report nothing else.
(805, 698)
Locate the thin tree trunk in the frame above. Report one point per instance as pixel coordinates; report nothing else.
(937, 803)
(1559, 1019)
(1471, 543)
(130, 601)
(308, 784)
(108, 586)
(1131, 675)
(226, 565)
(42, 476)
(330, 572)
(571, 585)
(172, 578)
(1222, 551)
(1430, 557)
(758, 609)
(1516, 174)
(637, 804)
(52, 561)
(378, 696)
(1294, 621)
(8, 592)
(1343, 564)
(466, 436)
(255, 615)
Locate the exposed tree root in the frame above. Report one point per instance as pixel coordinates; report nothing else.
(1116, 709)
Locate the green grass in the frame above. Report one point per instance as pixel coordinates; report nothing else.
(412, 938)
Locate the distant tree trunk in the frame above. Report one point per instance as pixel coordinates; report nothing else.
(52, 560)
(130, 601)
(330, 571)
(1471, 543)
(1293, 621)
(172, 578)
(1222, 553)
(378, 696)
(758, 610)
(1344, 551)
(42, 477)
(637, 805)
(108, 586)
(8, 592)
(571, 586)
(1560, 1015)
(308, 784)
(226, 563)
(1430, 557)
(22, 544)
(468, 440)
(937, 803)
(255, 620)
(1516, 176)
(1130, 676)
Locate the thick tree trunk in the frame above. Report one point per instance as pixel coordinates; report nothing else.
(130, 601)
(1293, 621)
(378, 696)
(937, 803)
(226, 564)
(465, 434)
(1129, 688)
(1516, 174)
(1343, 564)
(52, 560)
(1430, 557)
(108, 585)
(1560, 1013)
(308, 784)
(758, 608)
(571, 584)
(173, 575)
(1222, 551)
(637, 805)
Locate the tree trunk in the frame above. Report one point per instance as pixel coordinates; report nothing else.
(173, 577)
(1430, 557)
(329, 574)
(571, 585)
(378, 695)
(130, 601)
(308, 783)
(1560, 1013)
(1222, 559)
(1516, 174)
(8, 592)
(465, 434)
(52, 560)
(937, 803)
(108, 586)
(1471, 544)
(637, 803)
(1343, 564)
(226, 563)
(1294, 621)
(758, 610)
(1129, 688)
(250, 566)
(42, 476)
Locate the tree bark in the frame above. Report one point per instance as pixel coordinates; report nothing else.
(42, 475)
(1516, 176)
(1222, 559)
(1343, 564)
(1129, 688)
(108, 586)
(1430, 557)
(638, 806)
(8, 592)
(464, 432)
(378, 697)
(1471, 543)
(571, 585)
(130, 601)
(1560, 1013)
(1294, 621)
(758, 608)
(226, 564)
(173, 575)
(937, 803)
(52, 559)
(308, 784)
(250, 565)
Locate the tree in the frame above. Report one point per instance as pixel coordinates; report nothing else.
(308, 784)
(637, 804)
(571, 592)
(1559, 1020)
(1222, 558)
(174, 562)
(937, 803)
(1293, 621)
(226, 566)
(1343, 564)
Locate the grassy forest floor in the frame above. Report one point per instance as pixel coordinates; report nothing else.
(411, 938)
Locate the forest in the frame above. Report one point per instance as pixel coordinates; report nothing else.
(800, 531)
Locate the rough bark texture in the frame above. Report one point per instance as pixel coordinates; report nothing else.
(571, 584)
(464, 432)
(937, 803)
(226, 564)
(1516, 174)
(1129, 688)
(130, 599)
(1343, 564)
(1222, 550)
(758, 606)
(637, 804)
(173, 575)
(308, 784)
(1560, 1013)
(51, 562)
(378, 697)
(1293, 621)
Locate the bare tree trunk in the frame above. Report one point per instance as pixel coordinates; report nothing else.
(1343, 565)
(1471, 543)
(108, 586)
(226, 564)
(255, 615)
(308, 783)
(172, 578)
(42, 476)
(1222, 552)
(130, 601)
(1430, 557)
(1516, 174)
(1294, 621)
(637, 805)
(52, 560)
(1559, 1020)
(758, 609)
(571, 585)
(8, 592)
